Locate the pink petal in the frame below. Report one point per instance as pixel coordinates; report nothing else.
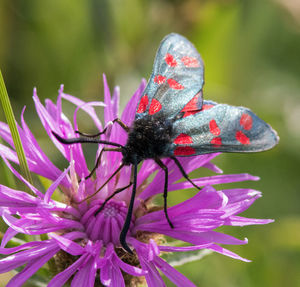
(243, 221)
(216, 179)
(61, 278)
(228, 253)
(19, 176)
(85, 277)
(31, 268)
(108, 113)
(19, 259)
(128, 114)
(24, 246)
(183, 248)
(69, 246)
(54, 185)
(176, 277)
(53, 120)
(87, 107)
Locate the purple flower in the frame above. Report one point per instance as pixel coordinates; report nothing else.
(83, 245)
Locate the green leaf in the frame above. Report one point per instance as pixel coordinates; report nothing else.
(10, 118)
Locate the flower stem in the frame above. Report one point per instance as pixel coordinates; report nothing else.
(10, 118)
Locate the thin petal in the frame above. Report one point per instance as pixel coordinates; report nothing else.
(207, 199)
(240, 194)
(67, 245)
(212, 167)
(129, 111)
(53, 120)
(212, 180)
(243, 221)
(15, 198)
(9, 234)
(183, 248)
(61, 278)
(14, 261)
(25, 246)
(87, 107)
(130, 269)
(228, 253)
(176, 277)
(116, 102)
(108, 115)
(31, 268)
(85, 277)
(43, 165)
(20, 177)
(152, 277)
(54, 185)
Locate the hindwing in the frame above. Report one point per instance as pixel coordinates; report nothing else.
(221, 128)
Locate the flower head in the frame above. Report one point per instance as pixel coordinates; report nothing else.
(82, 243)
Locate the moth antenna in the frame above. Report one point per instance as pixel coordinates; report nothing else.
(83, 140)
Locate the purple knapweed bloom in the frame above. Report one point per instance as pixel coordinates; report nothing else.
(83, 248)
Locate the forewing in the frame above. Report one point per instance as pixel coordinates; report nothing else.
(177, 79)
(221, 128)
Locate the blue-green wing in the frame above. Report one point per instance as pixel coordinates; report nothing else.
(221, 128)
(177, 79)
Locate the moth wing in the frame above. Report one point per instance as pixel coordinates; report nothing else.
(176, 79)
(221, 128)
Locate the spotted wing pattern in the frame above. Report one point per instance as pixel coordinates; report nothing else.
(221, 128)
(177, 79)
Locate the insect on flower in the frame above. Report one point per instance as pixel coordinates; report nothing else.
(172, 120)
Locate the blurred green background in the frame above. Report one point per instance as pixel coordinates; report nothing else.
(251, 51)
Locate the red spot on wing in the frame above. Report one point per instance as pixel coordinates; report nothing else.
(184, 150)
(217, 142)
(206, 107)
(154, 107)
(190, 113)
(213, 127)
(183, 139)
(170, 60)
(174, 84)
(246, 121)
(192, 105)
(143, 104)
(159, 79)
(190, 62)
(242, 138)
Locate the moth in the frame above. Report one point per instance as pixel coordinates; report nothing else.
(172, 120)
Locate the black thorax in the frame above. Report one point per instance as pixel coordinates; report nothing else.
(148, 138)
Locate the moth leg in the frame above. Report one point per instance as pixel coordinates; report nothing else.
(127, 222)
(105, 183)
(90, 135)
(116, 192)
(117, 120)
(183, 172)
(121, 124)
(99, 160)
(165, 169)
